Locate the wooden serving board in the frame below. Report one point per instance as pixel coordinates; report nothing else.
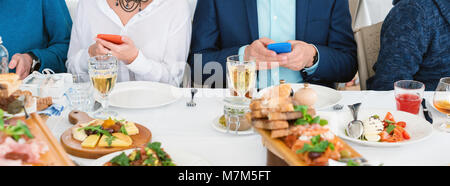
(278, 148)
(56, 156)
(73, 146)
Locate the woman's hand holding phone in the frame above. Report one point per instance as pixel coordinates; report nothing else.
(126, 52)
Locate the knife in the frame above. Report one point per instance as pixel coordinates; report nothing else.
(426, 112)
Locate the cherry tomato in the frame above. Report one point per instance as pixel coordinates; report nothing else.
(401, 124)
(389, 117)
(406, 135)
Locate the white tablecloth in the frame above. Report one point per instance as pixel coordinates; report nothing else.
(189, 130)
(372, 11)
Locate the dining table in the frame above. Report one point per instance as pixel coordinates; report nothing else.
(189, 129)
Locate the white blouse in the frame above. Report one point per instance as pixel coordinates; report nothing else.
(161, 32)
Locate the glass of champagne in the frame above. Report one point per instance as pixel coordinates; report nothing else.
(241, 75)
(441, 101)
(103, 74)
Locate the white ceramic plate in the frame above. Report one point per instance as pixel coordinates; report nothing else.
(143, 94)
(327, 97)
(220, 128)
(418, 128)
(180, 158)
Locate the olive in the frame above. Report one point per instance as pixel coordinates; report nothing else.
(314, 155)
(110, 130)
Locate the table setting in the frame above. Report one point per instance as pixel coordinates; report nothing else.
(101, 122)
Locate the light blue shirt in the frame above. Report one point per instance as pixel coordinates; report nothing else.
(277, 21)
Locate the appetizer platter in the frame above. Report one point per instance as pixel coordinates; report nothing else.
(151, 154)
(387, 128)
(292, 131)
(13, 101)
(92, 138)
(29, 142)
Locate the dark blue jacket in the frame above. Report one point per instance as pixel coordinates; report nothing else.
(39, 26)
(221, 27)
(415, 44)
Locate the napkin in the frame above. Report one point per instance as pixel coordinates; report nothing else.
(54, 110)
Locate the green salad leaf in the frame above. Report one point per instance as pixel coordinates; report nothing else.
(307, 119)
(316, 145)
(390, 128)
(121, 160)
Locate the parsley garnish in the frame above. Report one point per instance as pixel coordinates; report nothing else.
(352, 163)
(390, 128)
(389, 121)
(307, 119)
(110, 139)
(15, 131)
(123, 130)
(121, 160)
(316, 145)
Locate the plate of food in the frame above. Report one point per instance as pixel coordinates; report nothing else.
(323, 97)
(152, 154)
(29, 142)
(92, 138)
(13, 101)
(386, 128)
(294, 132)
(245, 128)
(143, 95)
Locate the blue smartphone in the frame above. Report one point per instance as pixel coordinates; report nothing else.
(280, 48)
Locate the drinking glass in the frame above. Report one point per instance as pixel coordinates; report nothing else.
(408, 95)
(241, 75)
(80, 95)
(441, 101)
(103, 74)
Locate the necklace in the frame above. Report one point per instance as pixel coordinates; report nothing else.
(130, 5)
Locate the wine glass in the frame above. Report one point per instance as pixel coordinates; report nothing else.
(441, 101)
(103, 73)
(241, 75)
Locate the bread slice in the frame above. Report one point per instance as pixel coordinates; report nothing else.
(9, 83)
(270, 125)
(279, 133)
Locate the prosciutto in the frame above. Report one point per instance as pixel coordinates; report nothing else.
(14, 153)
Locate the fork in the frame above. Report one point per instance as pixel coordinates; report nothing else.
(192, 103)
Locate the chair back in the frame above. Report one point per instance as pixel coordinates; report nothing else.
(354, 6)
(368, 41)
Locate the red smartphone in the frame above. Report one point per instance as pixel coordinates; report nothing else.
(116, 39)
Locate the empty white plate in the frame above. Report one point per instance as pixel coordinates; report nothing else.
(143, 94)
(327, 97)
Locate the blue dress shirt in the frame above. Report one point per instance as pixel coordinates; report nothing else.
(277, 21)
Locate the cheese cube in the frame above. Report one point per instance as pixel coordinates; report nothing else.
(120, 140)
(131, 128)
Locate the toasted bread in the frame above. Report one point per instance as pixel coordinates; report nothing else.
(9, 83)
(270, 125)
(279, 133)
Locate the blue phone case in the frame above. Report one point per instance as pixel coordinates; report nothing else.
(280, 48)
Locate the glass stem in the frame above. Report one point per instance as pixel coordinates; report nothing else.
(448, 120)
(105, 104)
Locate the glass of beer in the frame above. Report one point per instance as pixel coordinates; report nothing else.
(241, 75)
(441, 101)
(103, 74)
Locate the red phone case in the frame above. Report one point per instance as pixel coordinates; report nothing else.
(116, 39)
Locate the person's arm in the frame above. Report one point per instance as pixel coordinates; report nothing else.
(338, 58)
(171, 69)
(204, 40)
(57, 25)
(404, 41)
(78, 54)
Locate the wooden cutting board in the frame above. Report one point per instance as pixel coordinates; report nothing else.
(56, 156)
(73, 146)
(278, 148)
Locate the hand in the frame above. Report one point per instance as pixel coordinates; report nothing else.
(302, 56)
(97, 49)
(126, 52)
(22, 63)
(264, 57)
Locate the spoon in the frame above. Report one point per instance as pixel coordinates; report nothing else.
(355, 128)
